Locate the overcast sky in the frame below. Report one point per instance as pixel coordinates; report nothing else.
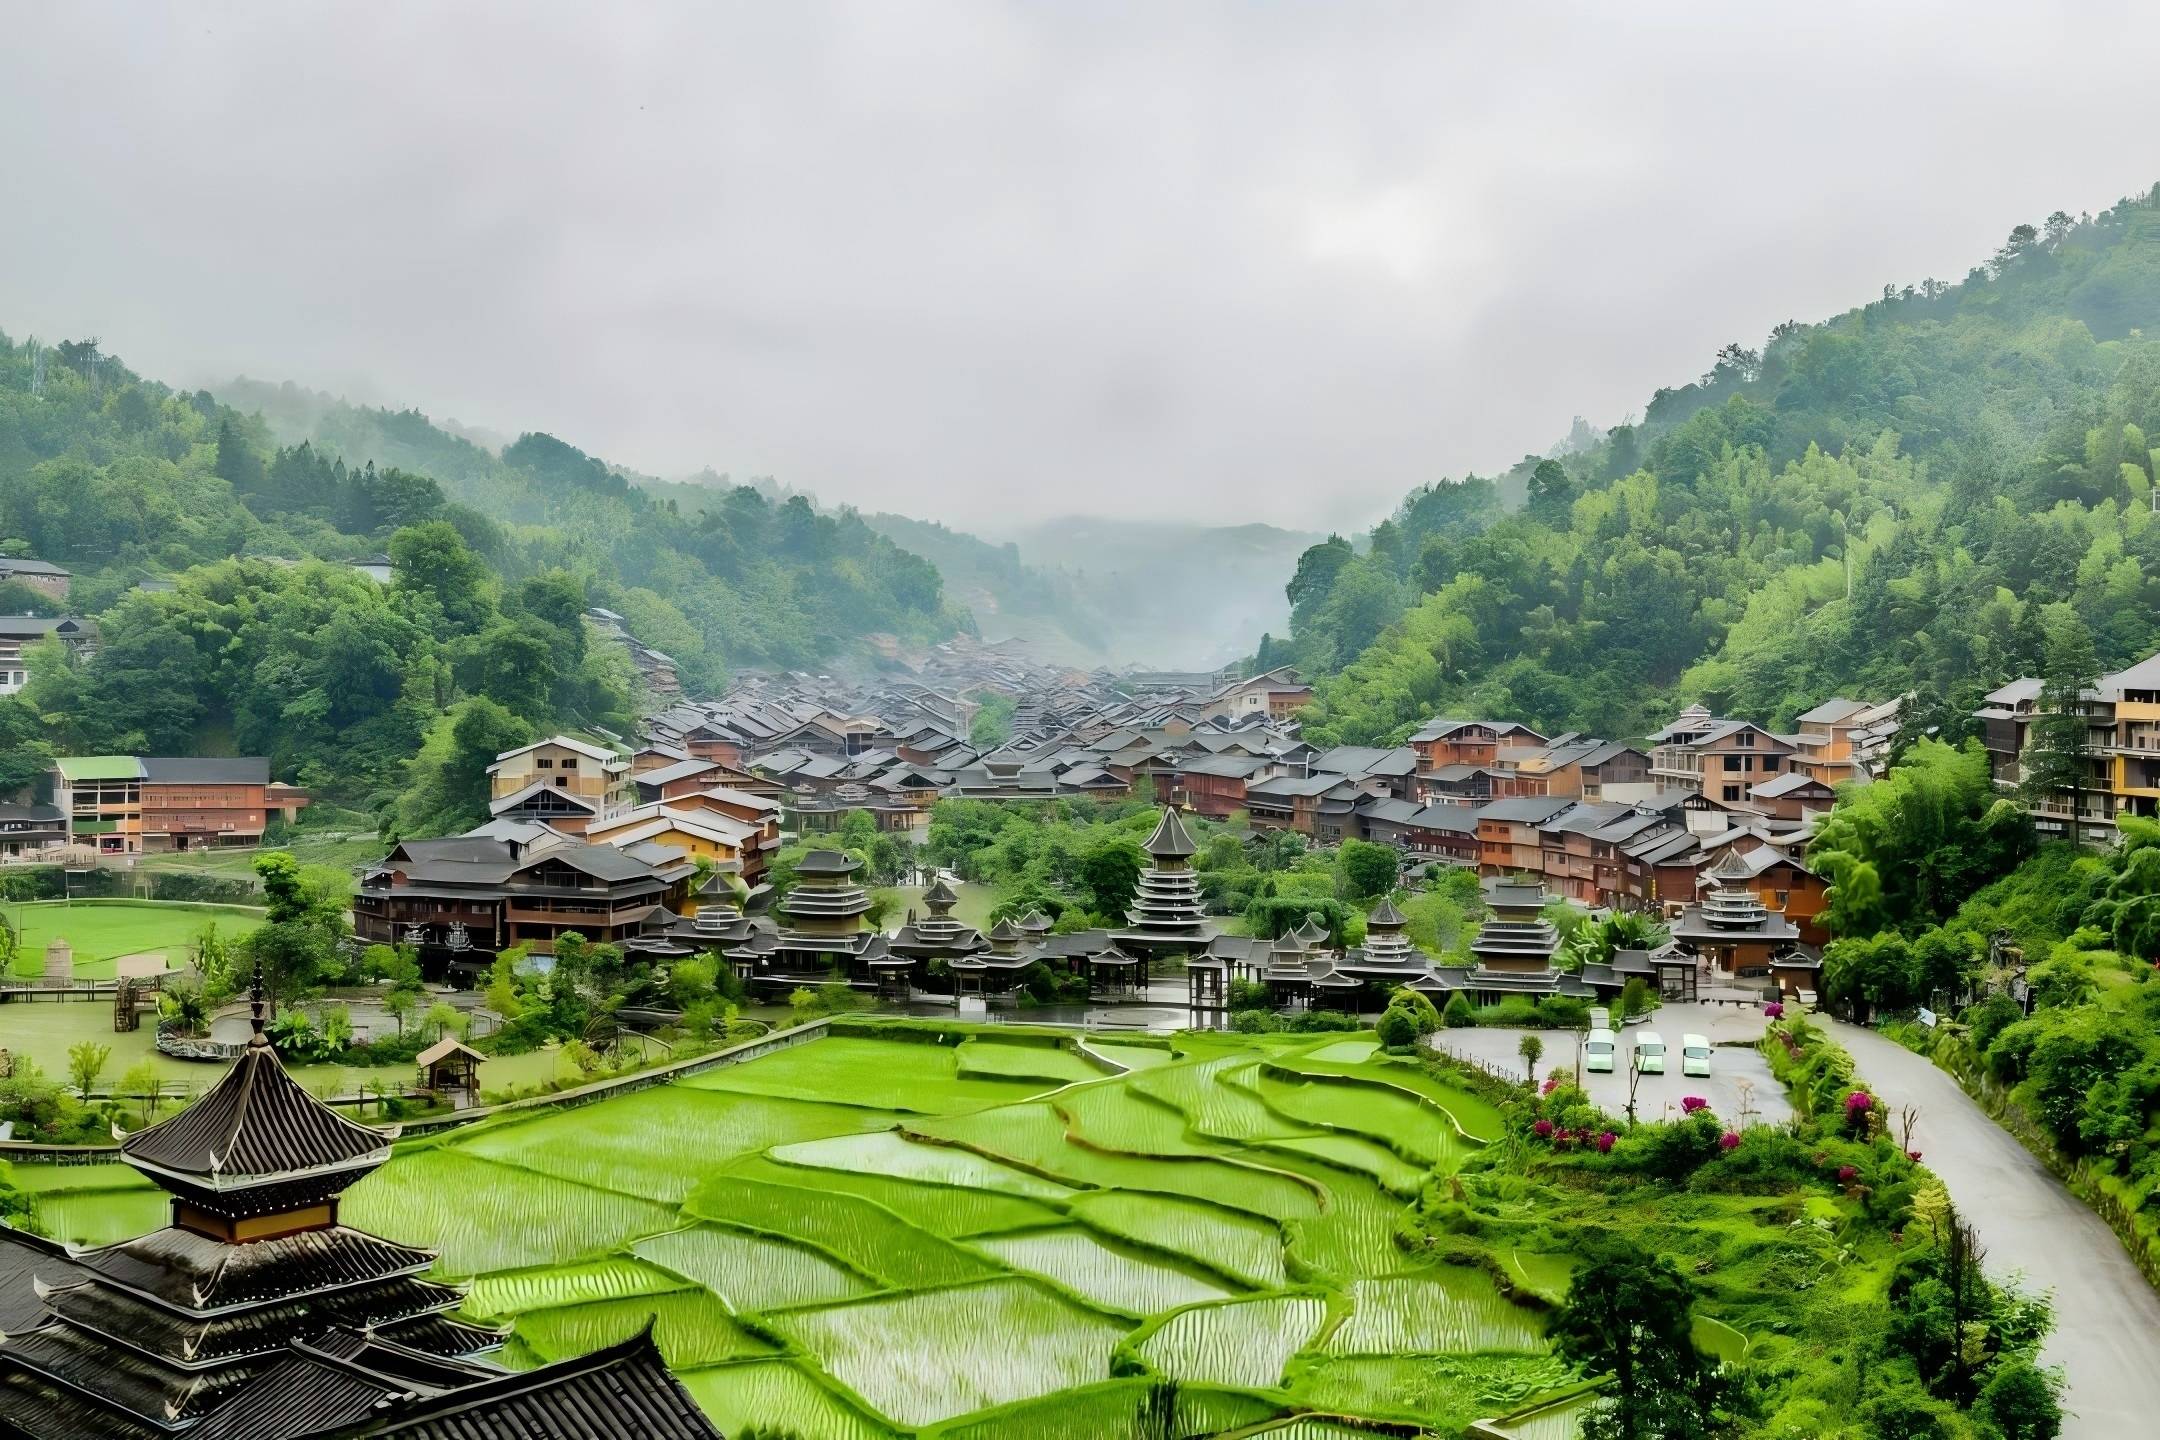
(994, 262)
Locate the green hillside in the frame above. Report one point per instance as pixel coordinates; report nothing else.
(737, 578)
(1920, 494)
(212, 544)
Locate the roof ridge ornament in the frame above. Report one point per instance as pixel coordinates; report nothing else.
(255, 1005)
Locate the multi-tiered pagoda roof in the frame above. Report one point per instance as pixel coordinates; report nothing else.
(937, 935)
(1167, 913)
(256, 1315)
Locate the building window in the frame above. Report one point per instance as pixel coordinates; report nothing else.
(1769, 764)
(543, 764)
(1732, 762)
(1732, 792)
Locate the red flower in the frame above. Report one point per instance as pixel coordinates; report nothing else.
(1605, 1142)
(1847, 1174)
(1730, 1140)
(1692, 1103)
(1913, 1155)
(1543, 1129)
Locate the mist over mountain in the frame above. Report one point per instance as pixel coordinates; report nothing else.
(1920, 495)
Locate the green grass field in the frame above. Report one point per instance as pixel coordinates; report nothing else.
(44, 1030)
(908, 1235)
(101, 931)
(239, 864)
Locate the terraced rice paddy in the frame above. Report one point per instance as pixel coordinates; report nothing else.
(1014, 1060)
(1246, 1342)
(898, 1234)
(1105, 1275)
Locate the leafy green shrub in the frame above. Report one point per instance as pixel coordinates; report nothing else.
(1419, 1007)
(1990, 1018)
(1563, 1012)
(1515, 1012)
(1670, 1150)
(1459, 1014)
(1397, 1030)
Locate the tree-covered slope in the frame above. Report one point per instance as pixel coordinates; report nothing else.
(735, 580)
(255, 635)
(1909, 496)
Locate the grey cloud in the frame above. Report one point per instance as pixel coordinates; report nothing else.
(985, 262)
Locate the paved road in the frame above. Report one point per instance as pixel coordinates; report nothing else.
(1658, 1097)
(2107, 1319)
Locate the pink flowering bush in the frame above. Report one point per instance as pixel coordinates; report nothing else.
(1543, 1129)
(1729, 1141)
(1859, 1106)
(1552, 1083)
(1605, 1141)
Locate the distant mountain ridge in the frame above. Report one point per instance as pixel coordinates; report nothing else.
(1099, 589)
(1082, 590)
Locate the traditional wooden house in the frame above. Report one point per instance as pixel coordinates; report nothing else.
(595, 777)
(462, 899)
(1582, 768)
(1566, 858)
(1718, 758)
(1792, 797)
(1446, 834)
(125, 805)
(1467, 742)
(1508, 834)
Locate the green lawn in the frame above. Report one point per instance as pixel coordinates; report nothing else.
(239, 864)
(100, 931)
(44, 1030)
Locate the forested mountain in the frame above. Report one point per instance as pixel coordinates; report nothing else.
(254, 635)
(736, 580)
(1914, 495)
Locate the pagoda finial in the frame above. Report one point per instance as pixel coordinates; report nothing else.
(255, 1005)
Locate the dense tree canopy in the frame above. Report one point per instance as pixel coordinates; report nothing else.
(1905, 498)
(255, 635)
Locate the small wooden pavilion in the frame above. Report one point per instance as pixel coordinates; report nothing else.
(450, 1065)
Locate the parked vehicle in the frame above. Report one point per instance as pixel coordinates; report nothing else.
(1598, 1051)
(1694, 1055)
(1650, 1053)
(1600, 1019)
